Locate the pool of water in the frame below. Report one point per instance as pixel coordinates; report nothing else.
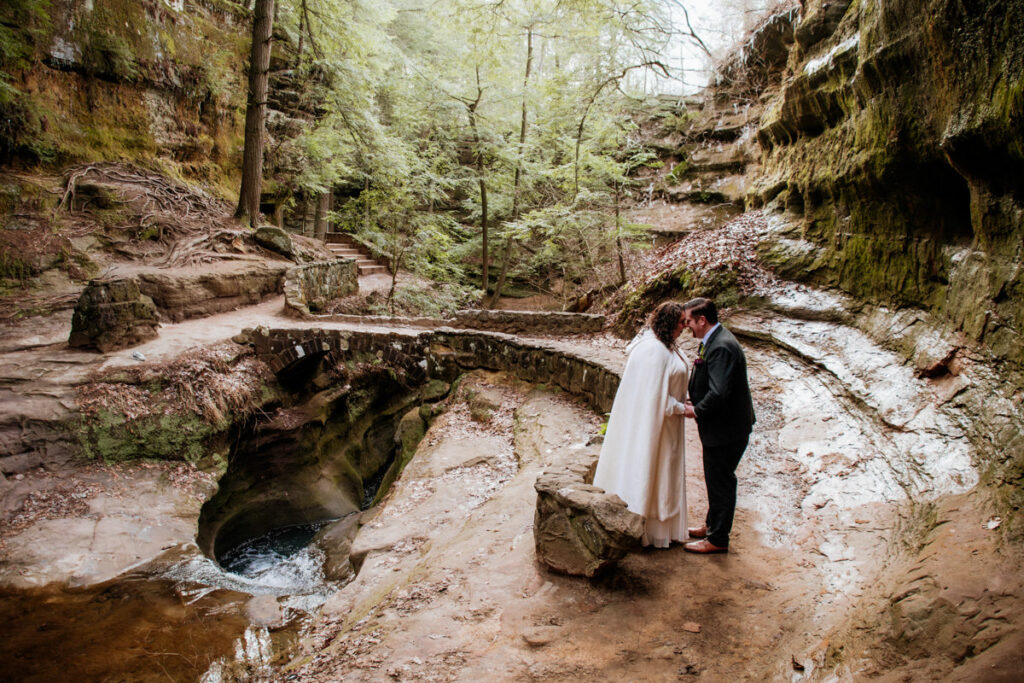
(280, 562)
(173, 620)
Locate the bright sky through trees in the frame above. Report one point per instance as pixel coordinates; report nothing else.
(719, 24)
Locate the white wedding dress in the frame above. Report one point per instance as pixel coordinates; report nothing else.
(643, 458)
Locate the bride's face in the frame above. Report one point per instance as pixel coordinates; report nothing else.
(680, 326)
(694, 324)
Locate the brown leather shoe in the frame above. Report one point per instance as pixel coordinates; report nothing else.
(704, 547)
(698, 531)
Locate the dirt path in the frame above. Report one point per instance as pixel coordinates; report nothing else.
(447, 593)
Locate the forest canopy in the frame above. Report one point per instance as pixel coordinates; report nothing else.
(455, 134)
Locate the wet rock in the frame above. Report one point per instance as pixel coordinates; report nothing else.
(264, 610)
(275, 239)
(112, 314)
(336, 542)
(578, 528)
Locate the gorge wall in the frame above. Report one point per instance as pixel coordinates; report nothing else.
(891, 146)
(896, 138)
(158, 82)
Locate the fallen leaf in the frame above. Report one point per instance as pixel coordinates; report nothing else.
(692, 627)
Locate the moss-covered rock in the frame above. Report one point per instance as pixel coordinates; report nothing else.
(121, 79)
(112, 314)
(898, 139)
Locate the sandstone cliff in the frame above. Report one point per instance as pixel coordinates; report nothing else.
(896, 137)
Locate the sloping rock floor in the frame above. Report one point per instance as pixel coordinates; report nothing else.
(830, 567)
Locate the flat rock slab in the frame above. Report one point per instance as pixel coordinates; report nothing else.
(123, 517)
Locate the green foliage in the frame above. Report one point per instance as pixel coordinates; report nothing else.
(420, 103)
(435, 301)
(678, 172)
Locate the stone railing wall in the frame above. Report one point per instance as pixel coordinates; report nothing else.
(509, 322)
(442, 354)
(526, 322)
(308, 288)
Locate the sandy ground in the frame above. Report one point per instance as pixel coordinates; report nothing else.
(450, 588)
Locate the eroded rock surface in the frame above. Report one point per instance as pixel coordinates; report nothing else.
(578, 528)
(113, 314)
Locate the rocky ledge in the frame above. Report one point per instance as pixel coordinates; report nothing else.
(579, 529)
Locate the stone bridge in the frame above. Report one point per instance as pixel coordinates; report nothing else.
(578, 528)
(436, 354)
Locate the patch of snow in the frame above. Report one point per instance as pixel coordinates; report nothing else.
(815, 65)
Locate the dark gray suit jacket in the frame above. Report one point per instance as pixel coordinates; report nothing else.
(720, 392)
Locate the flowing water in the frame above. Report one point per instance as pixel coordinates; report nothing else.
(173, 620)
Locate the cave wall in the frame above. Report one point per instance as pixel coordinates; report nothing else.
(313, 461)
(151, 81)
(896, 140)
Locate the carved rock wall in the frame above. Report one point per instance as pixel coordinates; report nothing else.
(897, 140)
(180, 296)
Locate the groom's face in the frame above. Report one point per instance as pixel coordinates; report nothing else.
(696, 325)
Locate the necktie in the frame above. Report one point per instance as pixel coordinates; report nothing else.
(700, 350)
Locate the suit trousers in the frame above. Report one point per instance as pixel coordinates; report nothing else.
(720, 464)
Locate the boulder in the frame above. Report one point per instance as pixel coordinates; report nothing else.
(112, 314)
(275, 239)
(578, 528)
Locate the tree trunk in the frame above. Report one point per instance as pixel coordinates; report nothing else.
(618, 234)
(302, 33)
(484, 251)
(320, 222)
(366, 204)
(256, 112)
(305, 214)
(518, 174)
(484, 255)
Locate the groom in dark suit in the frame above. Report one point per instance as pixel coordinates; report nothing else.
(719, 399)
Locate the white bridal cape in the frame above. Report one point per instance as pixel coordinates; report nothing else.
(642, 459)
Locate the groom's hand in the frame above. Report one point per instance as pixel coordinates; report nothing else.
(688, 410)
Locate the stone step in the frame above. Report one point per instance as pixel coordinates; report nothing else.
(337, 238)
(343, 246)
(372, 270)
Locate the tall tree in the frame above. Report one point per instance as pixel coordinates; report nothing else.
(518, 174)
(256, 112)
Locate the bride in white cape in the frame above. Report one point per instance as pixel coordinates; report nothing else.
(643, 458)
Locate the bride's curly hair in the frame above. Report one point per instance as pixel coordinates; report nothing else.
(664, 320)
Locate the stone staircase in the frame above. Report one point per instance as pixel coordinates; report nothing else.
(343, 246)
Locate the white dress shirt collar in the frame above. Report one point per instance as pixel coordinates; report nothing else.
(710, 332)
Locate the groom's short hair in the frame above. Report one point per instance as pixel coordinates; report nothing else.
(704, 307)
